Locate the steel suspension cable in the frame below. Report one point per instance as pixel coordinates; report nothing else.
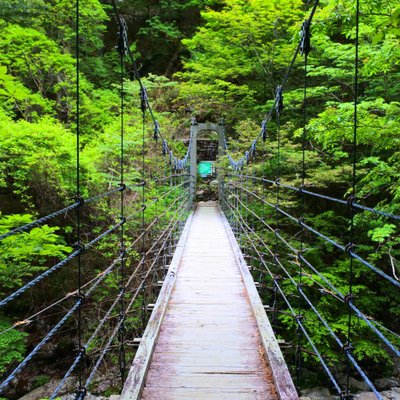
(284, 297)
(143, 108)
(78, 197)
(122, 50)
(337, 293)
(345, 348)
(350, 245)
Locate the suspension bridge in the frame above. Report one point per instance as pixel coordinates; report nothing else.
(207, 267)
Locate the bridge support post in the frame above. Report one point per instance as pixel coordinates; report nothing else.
(193, 160)
(196, 129)
(221, 153)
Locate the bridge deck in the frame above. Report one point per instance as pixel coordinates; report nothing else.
(208, 345)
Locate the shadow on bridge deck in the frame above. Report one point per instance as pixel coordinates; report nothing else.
(208, 336)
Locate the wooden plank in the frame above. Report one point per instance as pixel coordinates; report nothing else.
(283, 381)
(202, 394)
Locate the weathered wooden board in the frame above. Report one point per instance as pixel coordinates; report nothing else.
(209, 344)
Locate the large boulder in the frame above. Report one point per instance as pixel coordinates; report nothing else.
(318, 393)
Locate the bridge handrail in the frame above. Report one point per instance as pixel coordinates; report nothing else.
(351, 202)
(346, 249)
(340, 295)
(346, 349)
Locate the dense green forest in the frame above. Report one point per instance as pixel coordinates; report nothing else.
(213, 60)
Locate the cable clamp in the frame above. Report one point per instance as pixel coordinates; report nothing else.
(164, 148)
(80, 248)
(347, 347)
(80, 200)
(264, 132)
(350, 201)
(305, 42)
(276, 233)
(349, 298)
(123, 220)
(81, 297)
(143, 99)
(122, 253)
(300, 221)
(277, 278)
(277, 181)
(81, 393)
(82, 352)
(122, 316)
(345, 395)
(299, 253)
(144, 207)
(122, 46)
(122, 187)
(349, 248)
(156, 131)
(299, 286)
(279, 99)
(301, 188)
(299, 317)
(155, 180)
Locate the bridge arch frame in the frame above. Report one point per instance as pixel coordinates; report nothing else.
(197, 130)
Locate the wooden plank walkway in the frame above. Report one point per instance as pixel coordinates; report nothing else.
(206, 338)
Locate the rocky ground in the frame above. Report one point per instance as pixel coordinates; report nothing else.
(389, 388)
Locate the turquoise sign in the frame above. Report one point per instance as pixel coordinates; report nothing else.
(205, 168)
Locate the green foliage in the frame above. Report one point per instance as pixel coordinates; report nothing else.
(233, 56)
(228, 71)
(25, 254)
(12, 346)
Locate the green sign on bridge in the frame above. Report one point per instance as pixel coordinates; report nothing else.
(205, 168)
